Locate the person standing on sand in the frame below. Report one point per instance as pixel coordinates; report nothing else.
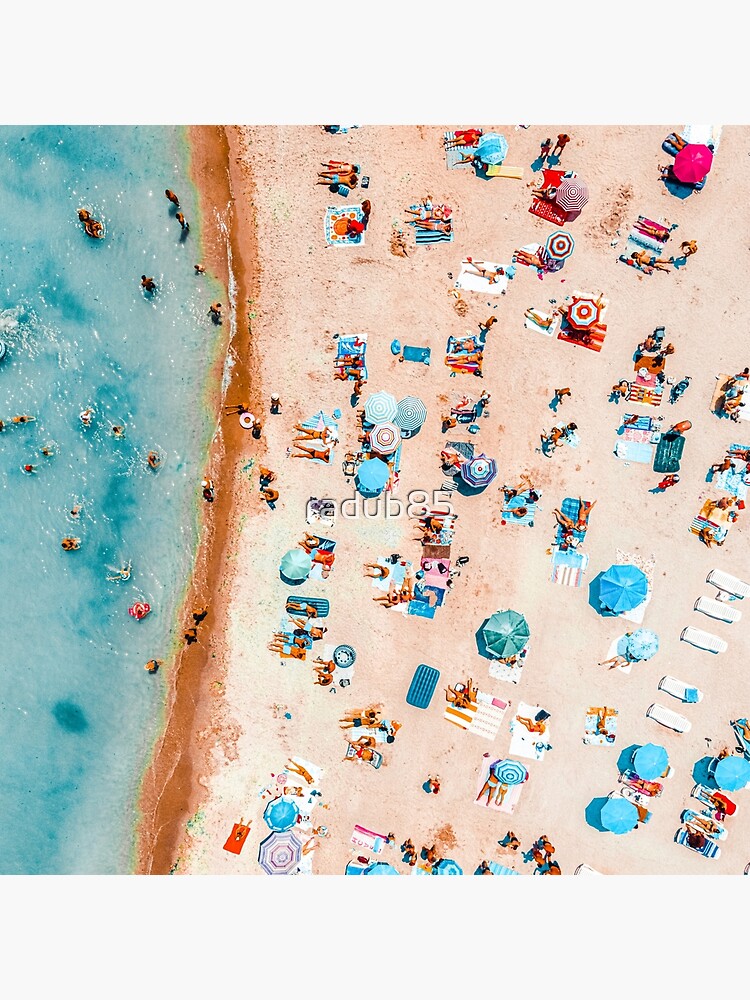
(560, 394)
(562, 142)
(544, 149)
(275, 403)
(215, 312)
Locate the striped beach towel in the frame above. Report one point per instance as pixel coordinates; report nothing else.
(647, 396)
(483, 718)
(362, 837)
(594, 739)
(508, 517)
(498, 869)
(568, 567)
(732, 481)
(432, 236)
(594, 341)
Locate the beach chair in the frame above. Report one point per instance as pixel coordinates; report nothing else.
(728, 583)
(678, 689)
(689, 817)
(709, 850)
(744, 743)
(666, 717)
(721, 806)
(640, 785)
(586, 870)
(703, 640)
(717, 609)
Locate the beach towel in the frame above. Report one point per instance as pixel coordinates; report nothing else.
(510, 671)
(659, 224)
(530, 248)
(549, 331)
(635, 451)
(608, 737)
(636, 427)
(317, 423)
(456, 153)
(236, 839)
(702, 135)
(522, 500)
(433, 577)
(352, 346)
(362, 837)
(336, 217)
(498, 869)
(509, 801)
(639, 393)
(647, 565)
(568, 567)
(470, 281)
(396, 573)
(423, 236)
(526, 744)
(548, 211)
(734, 481)
(570, 507)
(416, 354)
(594, 341)
(483, 718)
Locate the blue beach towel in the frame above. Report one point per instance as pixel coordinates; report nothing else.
(635, 451)
(417, 354)
(428, 236)
(519, 501)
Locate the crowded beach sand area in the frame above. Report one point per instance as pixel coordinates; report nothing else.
(478, 510)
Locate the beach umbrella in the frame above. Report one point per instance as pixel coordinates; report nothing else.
(372, 475)
(492, 148)
(650, 761)
(296, 564)
(572, 194)
(379, 407)
(506, 633)
(280, 853)
(642, 644)
(731, 773)
(411, 413)
(385, 438)
(584, 312)
(559, 245)
(281, 814)
(380, 868)
(479, 471)
(509, 772)
(692, 163)
(447, 866)
(622, 588)
(619, 815)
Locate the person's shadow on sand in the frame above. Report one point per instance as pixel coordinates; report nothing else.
(537, 164)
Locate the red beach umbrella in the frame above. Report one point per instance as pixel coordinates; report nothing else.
(692, 163)
(583, 313)
(572, 194)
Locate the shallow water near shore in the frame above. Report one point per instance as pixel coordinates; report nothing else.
(78, 713)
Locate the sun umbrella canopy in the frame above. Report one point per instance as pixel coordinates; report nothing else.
(619, 815)
(296, 564)
(385, 438)
(480, 471)
(281, 814)
(509, 772)
(379, 407)
(380, 868)
(650, 761)
(372, 476)
(492, 148)
(411, 413)
(280, 853)
(572, 194)
(584, 312)
(506, 633)
(559, 245)
(731, 773)
(642, 644)
(447, 867)
(622, 588)
(692, 163)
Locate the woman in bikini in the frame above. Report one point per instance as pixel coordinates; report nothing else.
(485, 272)
(306, 434)
(310, 542)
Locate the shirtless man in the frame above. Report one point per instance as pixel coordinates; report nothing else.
(724, 466)
(314, 631)
(644, 259)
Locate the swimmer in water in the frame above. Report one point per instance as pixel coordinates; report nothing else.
(69, 544)
(86, 416)
(28, 469)
(123, 573)
(75, 512)
(153, 665)
(48, 450)
(118, 431)
(23, 418)
(153, 460)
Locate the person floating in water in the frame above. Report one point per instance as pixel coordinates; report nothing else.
(70, 544)
(148, 284)
(48, 450)
(153, 665)
(199, 268)
(23, 418)
(75, 512)
(92, 226)
(86, 416)
(118, 431)
(123, 573)
(28, 469)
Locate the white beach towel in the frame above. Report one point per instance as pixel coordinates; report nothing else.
(506, 672)
(362, 837)
(523, 743)
(470, 281)
(551, 331)
(702, 135)
(483, 718)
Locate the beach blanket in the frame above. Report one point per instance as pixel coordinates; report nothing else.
(548, 331)
(570, 507)
(635, 451)
(362, 837)
(419, 354)
(735, 480)
(510, 671)
(483, 718)
(427, 599)
(335, 218)
(702, 135)
(317, 423)
(568, 567)
(548, 211)
(594, 338)
(526, 744)
(470, 345)
(608, 737)
(456, 153)
(521, 500)
(433, 576)
(326, 546)
(509, 800)
(647, 565)
(470, 281)
(648, 395)
(353, 346)
(423, 236)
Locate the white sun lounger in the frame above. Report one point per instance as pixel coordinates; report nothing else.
(717, 609)
(588, 870)
(728, 583)
(679, 689)
(703, 640)
(666, 717)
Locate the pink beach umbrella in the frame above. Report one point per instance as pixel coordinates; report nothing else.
(692, 163)
(572, 194)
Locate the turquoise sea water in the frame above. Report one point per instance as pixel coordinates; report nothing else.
(78, 713)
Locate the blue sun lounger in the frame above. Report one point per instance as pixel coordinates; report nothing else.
(422, 686)
(738, 733)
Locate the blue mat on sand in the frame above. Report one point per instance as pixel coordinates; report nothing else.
(428, 236)
(519, 501)
(416, 354)
(569, 507)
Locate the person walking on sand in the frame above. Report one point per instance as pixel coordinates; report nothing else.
(199, 268)
(171, 196)
(191, 635)
(562, 141)
(270, 495)
(544, 149)
(275, 403)
(199, 614)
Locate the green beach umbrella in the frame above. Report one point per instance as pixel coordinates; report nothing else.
(506, 633)
(296, 565)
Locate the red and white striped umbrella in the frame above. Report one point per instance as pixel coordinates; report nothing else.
(385, 438)
(584, 312)
(572, 194)
(559, 245)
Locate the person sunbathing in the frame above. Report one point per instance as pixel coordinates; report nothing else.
(450, 458)
(464, 137)
(282, 638)
(289, 652)
(584, 511)
(650, 229)
(563, 520)
(324, 676)
(391, 599)
(368, 717)
(325, 558)
(348, 180)
(648, 260)
(532, 725)
(744, 728)
(706, 824)
(377, 572)
(707, 536)
(484, 271)
(310, 542)
(474, 357)
(434, 225)
(530, 259)
(410, 852)
(545, 322)
(346, 168)
(425, 210)
(545, 193)
(462, 695)
(363, 749)
(314, 631)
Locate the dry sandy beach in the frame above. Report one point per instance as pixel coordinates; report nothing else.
(228, 734)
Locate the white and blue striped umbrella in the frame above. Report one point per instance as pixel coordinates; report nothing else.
(509, 772)
(492, 148)
(380, 407)
(447, 866)
(411, 413)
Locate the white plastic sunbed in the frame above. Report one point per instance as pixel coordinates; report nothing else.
(703, 640)
(728, 583)
(666, 717)
(679, 689)
(717, 609)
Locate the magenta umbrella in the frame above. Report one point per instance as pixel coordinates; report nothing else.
(692, 163)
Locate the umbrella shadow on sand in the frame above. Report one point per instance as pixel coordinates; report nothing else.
(465, 490)
(594, 590)
(701, 773)
(289, 582)
(481, 642)
(678, 189)
(625, 760)
(594, 814)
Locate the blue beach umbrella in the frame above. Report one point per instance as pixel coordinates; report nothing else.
(296, 564)
(642, 644)
(479, 471)
(731, 773)
(509, 772)
(492, 148)
(447, 867)
(650, 761)
(506, 633)
(372, 475)
(281, 814)
(622, 588)
(619, 815)
(380, 868)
